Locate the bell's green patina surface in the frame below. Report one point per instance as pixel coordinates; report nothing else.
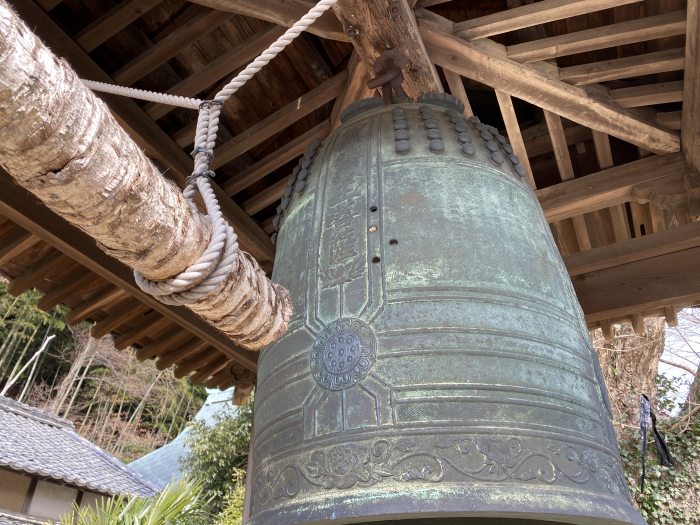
(437, 368)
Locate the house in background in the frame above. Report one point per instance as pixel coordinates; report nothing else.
(164, 465)
(46, 467)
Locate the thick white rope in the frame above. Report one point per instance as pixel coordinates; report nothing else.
(222, 254)
(142, 94)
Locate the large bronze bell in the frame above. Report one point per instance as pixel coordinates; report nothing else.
(437, 368)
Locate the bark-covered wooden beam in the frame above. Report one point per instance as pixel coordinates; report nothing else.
(690, 117)
(489, 64)
(61, 143)
(378, 25)
(176, 164)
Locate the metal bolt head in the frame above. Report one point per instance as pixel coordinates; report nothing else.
(353, 31)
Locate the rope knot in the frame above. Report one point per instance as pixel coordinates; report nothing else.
(202, 149)
(192, 178)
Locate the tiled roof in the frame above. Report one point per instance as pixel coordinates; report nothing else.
(8, 518)
(37, 443)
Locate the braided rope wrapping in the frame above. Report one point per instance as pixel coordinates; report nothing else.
(142, 94)
(224, 275)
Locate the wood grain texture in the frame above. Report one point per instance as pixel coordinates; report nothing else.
(531, 15)
(389, 24)
(608, 187)
(530, 84)
(630, 32)
(285, 14)
(627, 67)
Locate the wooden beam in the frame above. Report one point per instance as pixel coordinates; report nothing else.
(71, 282)
(37, 272)
(155, 142)
(170, 340)
(515, 136)
(120, 315)
(618, 215)
(23, 209)
(268, 196)
(113, 21)
(377, 25)
(204, 372)
(279, 158)
(640, 286)
(630, 32)
(148, 325)
(670, 119)
(530, 84)
(631, 250)
(649, 94)
(531, 15)
(355, 88)
(183, 351)
(85, 309)
(284, 14)
(671, 315)
(537, 139)
(608, 330)
(454, 82)
(14, 243)
(279, 120)
(627, 67)
(690, 127)
(566, 172)
(190, 31)
(608, 187)
(217, 69)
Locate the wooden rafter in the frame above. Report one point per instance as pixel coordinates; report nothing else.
(377, 25)
(531, 15)
(217, 69)
(608, 187)
(649, 94)
(690, 127)
(640, 286)
(191, 30)
(113, 21)
(627, 67)
(630, 32)
(531, 84)
(279, 120)
(281, 13)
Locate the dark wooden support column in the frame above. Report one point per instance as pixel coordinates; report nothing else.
(377, 25)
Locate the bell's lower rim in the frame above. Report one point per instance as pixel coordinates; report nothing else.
(433, 506)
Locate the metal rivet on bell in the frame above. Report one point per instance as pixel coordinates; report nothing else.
(276, 221)
(508, 148)
(478, 126)
(514, 159)
(468, 148)
(492, 146)
(299, 186)
(474, 119)
(430, 124)
(402, 146)
(303, 174)
(305, 163)
(436, 145)
(287, 193)
(278, 210)
(296, 170)
(486, 135)
(284, 203)
(400, 124)
(273, 238)
(519, 170)
(456, 118)
(498, 157)
(461, 127)
(434, 134)
(500, 138)
(464, 137)
(401, 134)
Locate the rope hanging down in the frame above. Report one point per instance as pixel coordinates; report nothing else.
(222, 254)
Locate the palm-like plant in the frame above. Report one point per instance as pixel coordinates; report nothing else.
(179, 503)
